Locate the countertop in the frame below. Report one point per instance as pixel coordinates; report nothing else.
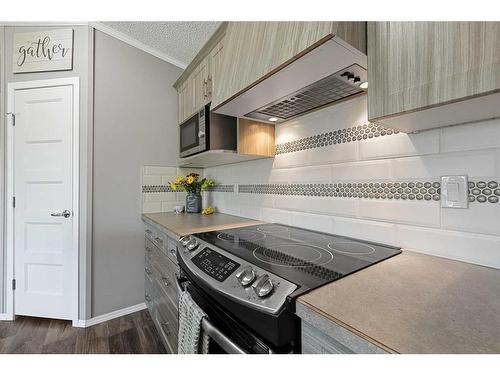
(184, 224)
(416, 303)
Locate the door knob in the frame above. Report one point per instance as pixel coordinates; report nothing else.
(65, 213)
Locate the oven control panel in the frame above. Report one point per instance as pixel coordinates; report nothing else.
(232, 276)
(214, 264)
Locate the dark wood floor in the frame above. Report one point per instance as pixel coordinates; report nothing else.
(134, 333)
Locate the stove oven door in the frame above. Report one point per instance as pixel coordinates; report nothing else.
(229, 333)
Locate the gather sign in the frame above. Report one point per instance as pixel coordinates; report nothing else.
(43, 51)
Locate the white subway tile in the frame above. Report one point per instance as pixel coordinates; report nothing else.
(273, 215)
(151, 180)
(471, 136)
(364, 170)
(312, 174)
(399, 145)
(322, 223)
(149, 207)
(408, 212)
(478, 218)
(156, 170)
(365, 229)
(165, 180)
(262, 200)
(251, 212)
(468, 247)
(292, 159)
(482, 163)
(338, 153)
(325, 205)
(160, 197)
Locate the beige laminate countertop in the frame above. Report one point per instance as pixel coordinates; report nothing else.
(184, 224)
(415, 303)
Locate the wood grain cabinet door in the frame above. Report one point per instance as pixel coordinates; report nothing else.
(418, 65)
(254, 50)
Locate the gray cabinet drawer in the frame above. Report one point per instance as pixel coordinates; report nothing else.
(316, 342)
(172, 249)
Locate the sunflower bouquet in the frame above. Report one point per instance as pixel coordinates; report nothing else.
(191, 183)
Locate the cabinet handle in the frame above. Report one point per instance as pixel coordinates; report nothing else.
(148, 249)
(166, 329)
(148, 232)
(173, 252)
(211, 86)
(148, 271)
(148, 298)
(158, 239)
(165, 280)
(205, 88)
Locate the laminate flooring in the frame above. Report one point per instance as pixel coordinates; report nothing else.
(130, 334)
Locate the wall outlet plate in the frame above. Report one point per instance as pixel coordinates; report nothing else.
(454, 192)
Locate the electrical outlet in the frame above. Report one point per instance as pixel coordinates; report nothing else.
(454, 192)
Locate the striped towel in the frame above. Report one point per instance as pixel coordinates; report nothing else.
(192, 339)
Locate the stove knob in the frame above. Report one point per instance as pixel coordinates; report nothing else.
(263, 286)
(184, 240)
(192, 244)
(246, 276)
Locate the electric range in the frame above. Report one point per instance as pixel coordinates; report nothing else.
(255, 273)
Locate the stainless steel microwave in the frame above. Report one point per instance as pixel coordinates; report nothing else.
(205, 131)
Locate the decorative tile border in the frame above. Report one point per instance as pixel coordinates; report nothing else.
(480, 191)
(372, 190)
(355, 133)
(157, 189)
(483, 192)
(229, 188)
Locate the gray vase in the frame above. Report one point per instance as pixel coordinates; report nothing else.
(193, 203)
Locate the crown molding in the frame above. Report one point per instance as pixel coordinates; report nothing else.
(137, 44)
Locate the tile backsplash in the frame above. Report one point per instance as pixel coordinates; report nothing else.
(337, 173)
(156, 193)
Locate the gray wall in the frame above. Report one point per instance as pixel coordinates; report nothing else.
(82, 59)
(135, 123)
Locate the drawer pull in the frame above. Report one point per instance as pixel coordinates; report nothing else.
(148, 298)
(166, 328)
(148, 249)
(173, 252)
(149, 232)
(158, 239)
(166, 281)
(148, 271)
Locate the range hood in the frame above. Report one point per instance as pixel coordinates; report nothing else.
(332, 71)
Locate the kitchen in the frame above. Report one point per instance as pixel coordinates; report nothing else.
(277, 187)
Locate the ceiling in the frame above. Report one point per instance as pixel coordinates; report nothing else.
(178, 40)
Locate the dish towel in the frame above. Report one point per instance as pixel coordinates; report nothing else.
(192, 339)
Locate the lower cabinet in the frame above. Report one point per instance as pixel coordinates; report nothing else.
(321, 335)
(160, 292)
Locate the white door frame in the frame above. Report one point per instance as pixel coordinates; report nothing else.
(11, 88)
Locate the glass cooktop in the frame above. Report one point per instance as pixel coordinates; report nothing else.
(304, 257)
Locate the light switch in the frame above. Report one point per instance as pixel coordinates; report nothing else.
(454, 192)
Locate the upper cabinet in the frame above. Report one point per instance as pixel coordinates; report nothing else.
(255, 50)
(425, 75)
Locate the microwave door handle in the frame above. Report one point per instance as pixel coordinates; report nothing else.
(212, 331)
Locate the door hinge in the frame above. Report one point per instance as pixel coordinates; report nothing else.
(14, 202)
(13, 284)
(13, 118)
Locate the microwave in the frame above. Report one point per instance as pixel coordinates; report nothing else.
(206, 131)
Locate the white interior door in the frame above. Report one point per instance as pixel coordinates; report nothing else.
(43, 185)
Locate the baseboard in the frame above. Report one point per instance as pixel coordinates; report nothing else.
(4, 316)
(111, 315)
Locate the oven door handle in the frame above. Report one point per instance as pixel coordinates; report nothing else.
(212, 331)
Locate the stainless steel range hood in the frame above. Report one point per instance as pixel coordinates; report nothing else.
(331, 72)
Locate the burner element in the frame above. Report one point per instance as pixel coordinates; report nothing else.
(293, 255)
(351, 248)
